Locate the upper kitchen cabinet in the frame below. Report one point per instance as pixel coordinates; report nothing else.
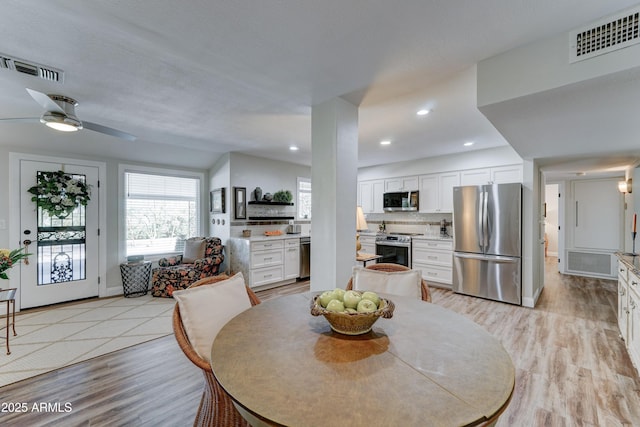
(497, 175)
(370, 194)
(406, 183)
(436, 192)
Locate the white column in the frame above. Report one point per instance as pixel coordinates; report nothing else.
(334, 168)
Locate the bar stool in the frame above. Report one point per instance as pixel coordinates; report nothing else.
(9, 296)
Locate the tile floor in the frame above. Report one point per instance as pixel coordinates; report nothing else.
(49, 339)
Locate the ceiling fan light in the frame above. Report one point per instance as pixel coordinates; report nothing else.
(61, 122)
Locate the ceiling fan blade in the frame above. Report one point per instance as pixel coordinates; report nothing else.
(108, 131)
(46, 102)
(21, 119)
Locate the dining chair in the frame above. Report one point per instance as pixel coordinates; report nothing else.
(216, 407)
(391, 268)
(9, 296)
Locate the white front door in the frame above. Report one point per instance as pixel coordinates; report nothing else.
(63, 265)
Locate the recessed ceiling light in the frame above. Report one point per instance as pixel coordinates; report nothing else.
(293, 148)
(385, 142)
(469, 143)
(422, 112)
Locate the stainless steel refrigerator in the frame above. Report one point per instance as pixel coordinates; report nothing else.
(487, 227)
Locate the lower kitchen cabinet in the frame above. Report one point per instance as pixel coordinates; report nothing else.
(291, 258)
(434, 257)
(265, 262)
(629, 310)
(368, 244)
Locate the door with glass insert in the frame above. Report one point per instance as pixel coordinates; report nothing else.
(59, 231)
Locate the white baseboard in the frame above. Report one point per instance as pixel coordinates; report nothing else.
(528, 302)
(113, 291)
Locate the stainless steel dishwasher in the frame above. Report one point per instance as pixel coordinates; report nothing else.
(305, 257)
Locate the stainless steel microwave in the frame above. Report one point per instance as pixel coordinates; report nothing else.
(402, 201)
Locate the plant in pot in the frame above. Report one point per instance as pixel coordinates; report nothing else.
(283, 196)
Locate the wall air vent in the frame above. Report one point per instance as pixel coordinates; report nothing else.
(609, 34)
(31, 68)
(590, 263)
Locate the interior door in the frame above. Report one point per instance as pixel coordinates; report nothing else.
(64, 261)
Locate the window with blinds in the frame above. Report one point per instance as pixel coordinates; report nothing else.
(161, 211)
(304, 198)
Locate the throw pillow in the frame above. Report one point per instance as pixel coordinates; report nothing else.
(206, 309)
(194, 249)
(404, 283)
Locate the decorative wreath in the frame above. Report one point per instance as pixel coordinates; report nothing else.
(59, 193)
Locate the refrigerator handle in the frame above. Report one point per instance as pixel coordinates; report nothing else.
(480, 227)
(485, 221)
(576, 213)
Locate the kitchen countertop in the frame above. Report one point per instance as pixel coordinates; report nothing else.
(425, 237)
(262, 237)
(631, 261)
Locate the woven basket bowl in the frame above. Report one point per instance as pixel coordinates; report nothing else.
(353, 323)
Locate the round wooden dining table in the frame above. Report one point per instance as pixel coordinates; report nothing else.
(425, 366)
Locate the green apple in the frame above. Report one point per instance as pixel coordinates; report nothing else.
(371, 296)
(351, 299)
(366, 306)
(339, 293)
(325, 297)
(335, 305)
(351, 310)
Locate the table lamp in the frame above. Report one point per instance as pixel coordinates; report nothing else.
(361, 224)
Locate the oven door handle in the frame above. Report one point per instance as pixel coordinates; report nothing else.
(395, 245)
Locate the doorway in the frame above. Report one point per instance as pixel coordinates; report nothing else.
(64, 246)
(551, 223)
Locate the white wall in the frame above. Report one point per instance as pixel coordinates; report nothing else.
(270, 175)
(544, 65)
(219, 177)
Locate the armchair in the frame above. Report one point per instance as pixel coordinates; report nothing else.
(180, 271)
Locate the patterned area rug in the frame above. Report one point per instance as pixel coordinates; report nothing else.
(52, 338)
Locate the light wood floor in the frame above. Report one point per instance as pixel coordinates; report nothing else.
(571, 367)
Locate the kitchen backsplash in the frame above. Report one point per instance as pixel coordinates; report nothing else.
(409, 222)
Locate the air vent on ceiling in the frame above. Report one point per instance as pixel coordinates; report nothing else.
(31, 68)
(609, 34)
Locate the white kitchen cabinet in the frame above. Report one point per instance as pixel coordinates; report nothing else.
(495, 175)
(434, 258)
(629, 311)
(291, 258)
(370, 195)
(475, 176)
(436, 192)
(368, 244)
(623, 300)
(633, 333)
(506, 174)
(265, 262)
(405, 183)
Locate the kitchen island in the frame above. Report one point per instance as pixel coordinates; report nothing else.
(265, 261)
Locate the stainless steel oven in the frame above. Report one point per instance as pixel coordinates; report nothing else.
(394, 248)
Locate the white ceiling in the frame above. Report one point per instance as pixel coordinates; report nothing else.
(197, 79)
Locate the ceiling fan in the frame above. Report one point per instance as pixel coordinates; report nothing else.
(60, 115)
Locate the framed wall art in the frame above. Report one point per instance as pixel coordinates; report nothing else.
(240, 202)
(216, 201)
